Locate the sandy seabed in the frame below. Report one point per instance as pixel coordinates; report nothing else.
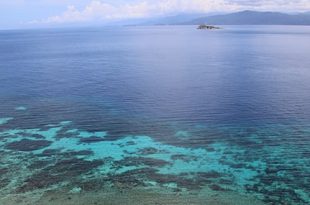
(134, 196)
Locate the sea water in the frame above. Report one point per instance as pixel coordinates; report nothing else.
(165, 114)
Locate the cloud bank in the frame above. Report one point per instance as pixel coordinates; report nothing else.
(104, 11)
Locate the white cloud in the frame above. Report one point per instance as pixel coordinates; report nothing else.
(99, 10)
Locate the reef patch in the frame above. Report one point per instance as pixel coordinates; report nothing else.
(27, 145)
(141, 161)
(62, 171)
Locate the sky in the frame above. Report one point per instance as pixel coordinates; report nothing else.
(38, 13)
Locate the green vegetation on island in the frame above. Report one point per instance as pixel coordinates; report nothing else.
(209, 27)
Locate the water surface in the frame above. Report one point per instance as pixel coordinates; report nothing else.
(205, 116)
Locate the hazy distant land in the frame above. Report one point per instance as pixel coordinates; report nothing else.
(237, 18)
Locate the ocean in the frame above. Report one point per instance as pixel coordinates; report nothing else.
(155, 115)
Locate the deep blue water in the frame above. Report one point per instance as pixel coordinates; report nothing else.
(240, 94)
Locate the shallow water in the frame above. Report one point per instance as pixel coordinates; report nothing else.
(175, 114)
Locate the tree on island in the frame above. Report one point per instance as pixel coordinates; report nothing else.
(204, 26)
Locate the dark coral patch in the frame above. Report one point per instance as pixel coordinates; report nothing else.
(183, 157)
(209, 175)
(148, 151)
(140, 161)
(50, 152)
(137, 177)
(28, 145)
(74, 167)
(39, 181)
(129, 179)
(92, 140)
(64, 134)
(216, 187)
(91, 185)
(226, 181)
(7, 136)
(62, 171)
(268, 184)
(4, 183)
(3, 171)
(39, 164)
(81, 153)
(37, 136)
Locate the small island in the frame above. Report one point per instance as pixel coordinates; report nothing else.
(209, 27)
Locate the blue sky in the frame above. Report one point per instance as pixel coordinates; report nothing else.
(35, 13)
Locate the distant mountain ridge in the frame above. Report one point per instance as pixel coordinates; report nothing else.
(254, 18)
(238, 18)
(173, 19)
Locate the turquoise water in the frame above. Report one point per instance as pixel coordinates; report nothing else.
(167, 109)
